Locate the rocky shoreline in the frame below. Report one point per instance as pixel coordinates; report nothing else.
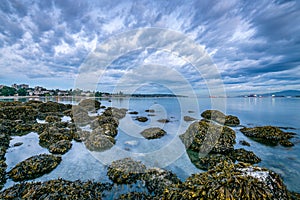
(230, 173)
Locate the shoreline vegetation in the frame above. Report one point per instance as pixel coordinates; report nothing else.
(229, 173)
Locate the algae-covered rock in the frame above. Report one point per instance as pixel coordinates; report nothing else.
(99, 142)
(267, 134)
(90, 104)
(52, 135)
(244, 143)
(243, 155)
(106, 129)
(126, 171)
(207, 137)
(3, 167)
(135, 196)
(141, 119)
(60, 147)
(153, 133)
(218, 116)
(100, 120)
(52, 118)
(80, 116)
(34, 167)
(118, 113)
(56, 189)
(157, 180)
(163, 121)
(52, 107)
(24, 113)
(229, 181)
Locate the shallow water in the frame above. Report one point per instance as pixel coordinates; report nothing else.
(168, 152)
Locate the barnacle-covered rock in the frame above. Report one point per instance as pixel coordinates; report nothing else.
(218, 116)
(60, 147)
(157, 180)
(153, 133)
(34, 167)
(106, 129)
(243, 155)
(118, 113)
(99, 142)
(203, 136)
(141, 119)
(24, 113)
(135, 196)
(267, 134)
(56, 189)
(90, 104)
(126, 171)
(188, 118)
(52, 107)
(52, 118)
(229, 181)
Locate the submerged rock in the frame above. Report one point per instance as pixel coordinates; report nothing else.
(153, 133)
(56, 189)
(126, 171)
(229, 181)
(188, 118)
(150, 110)
(268, 135)
(90, 104)
(133, 112)
(34, 167)
(60, 147)
(163, 121)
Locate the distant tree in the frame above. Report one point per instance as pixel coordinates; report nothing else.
(98, 94)
(8, 91)
(22, 92)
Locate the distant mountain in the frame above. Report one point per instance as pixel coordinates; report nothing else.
(284, 93)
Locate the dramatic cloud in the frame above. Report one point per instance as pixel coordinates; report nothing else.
(255, 45)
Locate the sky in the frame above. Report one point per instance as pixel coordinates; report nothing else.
(253, 45)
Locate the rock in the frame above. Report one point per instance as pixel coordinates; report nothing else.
(153, 133)
(126, 171)
(229, 181)
(220, 117)
(24, 113)
(150, 110)
(52, 107)
(267, 134)
(52, 135)
(90, 104)
(33, 103)
(131, 143)
(141, 119)
(188, 118)
(17, 144)
(99, 142)
(243, 155)
(106, 129)
(191, 111)
(286, 143)
(60, 147)
(43, 115)
(100, 120)
(51, 119)
(163, 121)
(231, 120)
(8, 103)
(135, 196)
(3, 167)
(80, 116)
(115, 112)
(133, 112)
(243, 142)
(56, 189)
(158, 179)
(202, 136)
(34, 167)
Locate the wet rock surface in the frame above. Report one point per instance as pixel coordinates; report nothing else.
(153, 133)
(126, 171)
(34, 167)
(269, 135)
(230, 181)
(56, 189)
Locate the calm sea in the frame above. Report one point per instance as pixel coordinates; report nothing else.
(168, 152)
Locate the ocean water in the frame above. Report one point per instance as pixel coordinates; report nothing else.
(168, 152)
